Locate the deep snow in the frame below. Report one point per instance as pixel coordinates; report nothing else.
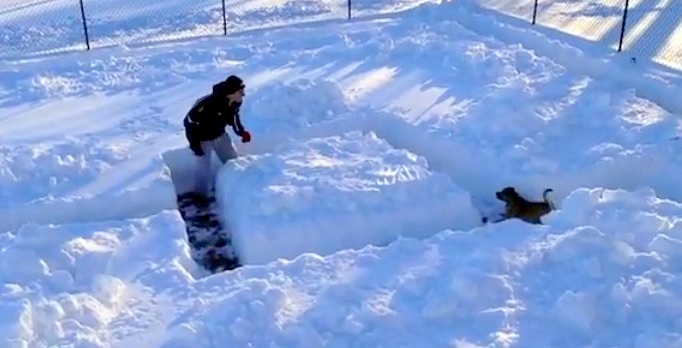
(414, 120)
(334, 193)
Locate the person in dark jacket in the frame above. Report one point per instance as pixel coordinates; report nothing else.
(205, 125)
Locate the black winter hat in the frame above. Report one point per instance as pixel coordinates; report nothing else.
(231, 85)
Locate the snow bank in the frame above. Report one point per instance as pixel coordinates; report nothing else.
(645, 80)
(33, 171)
(605, 274)
(374, 7)
(543, 127)
(305, 108)
(71, 283)
(447, 291)
(334, 193)
(72, 180)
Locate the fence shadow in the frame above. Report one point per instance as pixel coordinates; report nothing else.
(52, 27)
(643, 30)
(654, 32)
(651, 32)
(45, 26)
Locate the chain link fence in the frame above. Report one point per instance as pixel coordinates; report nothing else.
(38, 27)
(653, 30)
(592, 20)
(111, 22)
(644, 29)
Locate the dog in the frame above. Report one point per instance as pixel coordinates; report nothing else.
(521, 208)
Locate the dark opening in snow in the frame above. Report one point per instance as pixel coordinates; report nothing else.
(210, 241)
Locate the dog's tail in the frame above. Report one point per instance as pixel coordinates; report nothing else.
(544, 196)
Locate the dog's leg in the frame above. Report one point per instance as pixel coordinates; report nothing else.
(500, 219)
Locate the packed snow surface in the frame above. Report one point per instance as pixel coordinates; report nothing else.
(377, 146)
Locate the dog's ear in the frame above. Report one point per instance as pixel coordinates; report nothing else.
(509, 191)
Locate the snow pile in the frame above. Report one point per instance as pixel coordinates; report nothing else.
(72, 180)
(35, 171)
(609, 264)
(71, 282)
(250, 14)
(279, 112)
(603, 272)
(370, 7)
(334, 193)
(446, 291)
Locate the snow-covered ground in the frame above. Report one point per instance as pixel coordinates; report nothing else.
(377, 147)
(39, 27)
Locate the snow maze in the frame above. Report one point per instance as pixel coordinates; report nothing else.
(325, 176)
(324, 184)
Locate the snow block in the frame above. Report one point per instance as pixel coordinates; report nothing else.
(333, 193)
(306, 108)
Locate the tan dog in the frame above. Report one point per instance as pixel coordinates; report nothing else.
(521, 208)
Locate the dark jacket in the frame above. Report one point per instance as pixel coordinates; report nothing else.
(208, 118)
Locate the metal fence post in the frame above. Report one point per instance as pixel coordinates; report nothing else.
(622, 25)
(85, 25)
(535, 11)
(349, 9)
(224, 19)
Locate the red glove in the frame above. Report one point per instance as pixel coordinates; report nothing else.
(246, 137)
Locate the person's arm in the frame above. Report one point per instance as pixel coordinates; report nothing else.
(237, 126)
